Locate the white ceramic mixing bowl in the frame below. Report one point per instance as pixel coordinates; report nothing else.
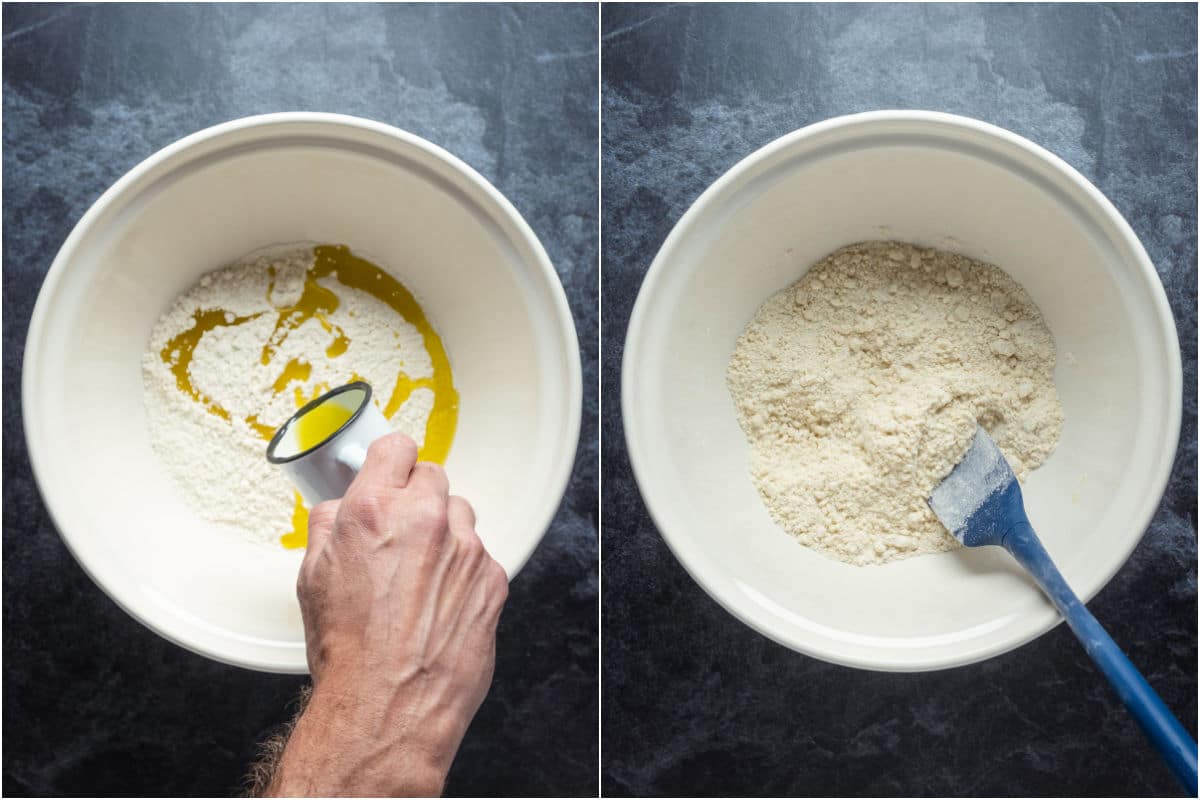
(937, 180)
(413, 209)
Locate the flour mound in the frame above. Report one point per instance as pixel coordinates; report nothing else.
(220, 464)
(859, 388)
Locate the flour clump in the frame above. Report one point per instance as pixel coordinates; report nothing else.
(859, 388)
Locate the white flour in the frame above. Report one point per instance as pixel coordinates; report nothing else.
(859, 388)
(220, 464)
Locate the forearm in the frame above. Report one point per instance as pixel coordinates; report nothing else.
(335, 749)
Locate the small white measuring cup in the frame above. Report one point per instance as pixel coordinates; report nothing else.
(323, 471)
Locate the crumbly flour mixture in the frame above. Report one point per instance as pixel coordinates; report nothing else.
(219, 460)
(860, 385)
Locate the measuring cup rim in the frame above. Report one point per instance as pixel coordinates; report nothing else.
(309, 406)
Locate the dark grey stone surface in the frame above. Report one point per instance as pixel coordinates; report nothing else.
(695, 703)
(93, 702)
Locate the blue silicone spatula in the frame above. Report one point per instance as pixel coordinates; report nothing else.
(980, 503)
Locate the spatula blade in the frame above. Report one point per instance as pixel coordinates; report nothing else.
(968, 500)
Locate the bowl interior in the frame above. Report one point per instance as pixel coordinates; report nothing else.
(935, 184)
(481, 277)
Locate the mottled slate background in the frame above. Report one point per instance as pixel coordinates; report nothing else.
(93, 702)
(697, 703)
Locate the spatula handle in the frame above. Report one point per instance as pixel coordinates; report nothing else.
(1165, 732)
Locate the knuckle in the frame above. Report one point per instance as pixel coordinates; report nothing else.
(430, 514)
(472, 545)
(394, 445)
(462, 509)
(322, 515)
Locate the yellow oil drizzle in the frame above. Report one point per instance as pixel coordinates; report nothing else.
(317, 302)
(178, 352)
(294, 370)
(262, 429)
(337, 260)
(339, 344)
(298, 536)
(303, 398)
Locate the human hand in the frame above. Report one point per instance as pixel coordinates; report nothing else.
(400, 604)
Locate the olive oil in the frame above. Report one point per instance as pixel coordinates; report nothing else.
(319, 424)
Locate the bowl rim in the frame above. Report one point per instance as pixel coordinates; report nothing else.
(484, 193)
(1029, 626)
